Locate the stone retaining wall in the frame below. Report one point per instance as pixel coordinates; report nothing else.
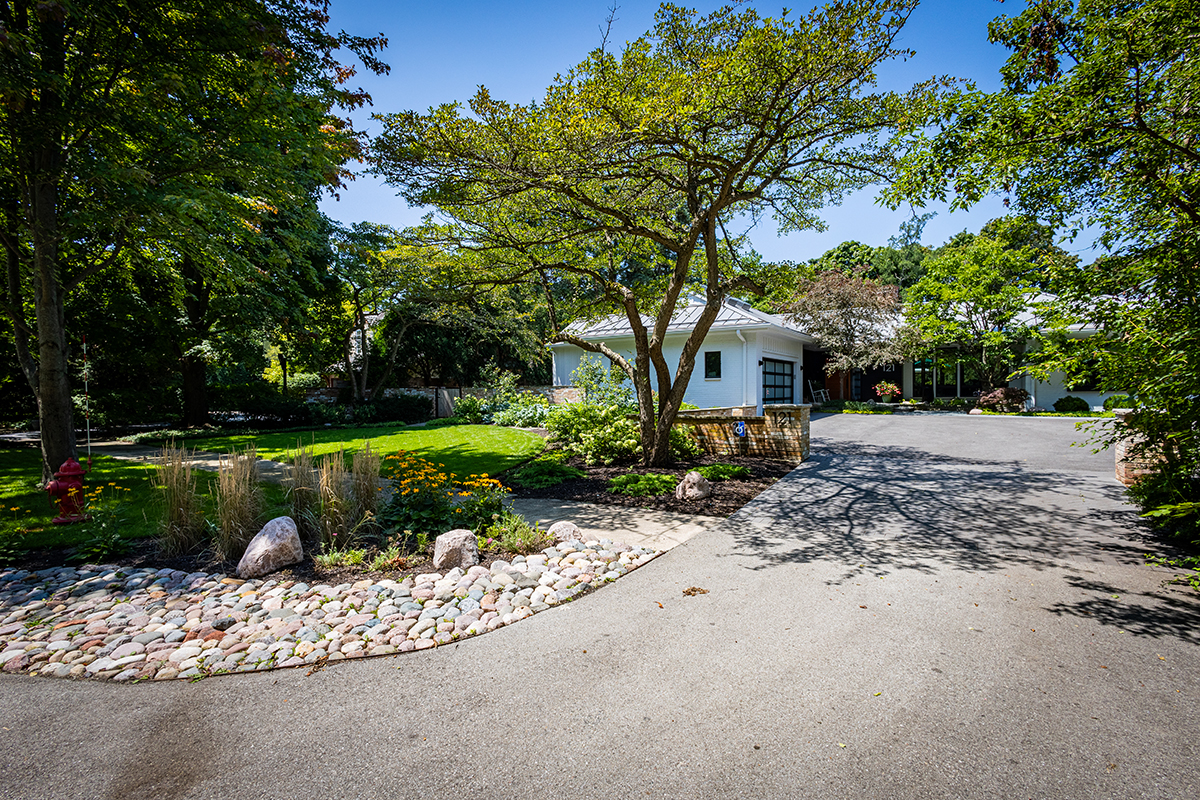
(1129, 468)
(782, 432)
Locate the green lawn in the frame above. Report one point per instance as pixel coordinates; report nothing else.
(461, 449)
(25, 508)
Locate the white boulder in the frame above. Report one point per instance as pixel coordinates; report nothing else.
(272, 548)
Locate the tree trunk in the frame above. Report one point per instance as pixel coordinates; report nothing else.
(197, 296)
(42, 160)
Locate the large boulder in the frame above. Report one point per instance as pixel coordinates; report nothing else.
(272, 548)
(694, 486)
(565, 531)
(457, 548)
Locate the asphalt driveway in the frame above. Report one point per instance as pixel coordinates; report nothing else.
(941, 606)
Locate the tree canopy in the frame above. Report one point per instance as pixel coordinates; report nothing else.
(646, 156)
(153, 120)
(1096, 125)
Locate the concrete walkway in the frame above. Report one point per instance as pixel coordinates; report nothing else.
(931, 607)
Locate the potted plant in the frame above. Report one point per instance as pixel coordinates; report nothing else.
(886, 390)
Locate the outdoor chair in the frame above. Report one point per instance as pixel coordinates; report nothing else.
(818, 395)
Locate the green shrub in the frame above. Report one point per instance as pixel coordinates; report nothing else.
(527, 410)
(683, 444)
(723, 472)
(1072, 405)
(470, 409)
(857, 405)
(604, 434)
(515, 535)
(598, 434)
(406, 407)
(543, 473)
(637, 485)
(603, 387)
(1118, 401)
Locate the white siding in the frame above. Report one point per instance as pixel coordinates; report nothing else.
(740, 382)
(1045, 393)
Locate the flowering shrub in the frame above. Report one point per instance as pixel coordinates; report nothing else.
(886, 389)
(1004, 399)
(425, 499)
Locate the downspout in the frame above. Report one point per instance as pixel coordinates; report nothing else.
(745, 364)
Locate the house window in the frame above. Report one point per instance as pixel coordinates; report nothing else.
(779, 379)
(712, 365)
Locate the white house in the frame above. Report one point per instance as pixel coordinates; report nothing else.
(748, 358)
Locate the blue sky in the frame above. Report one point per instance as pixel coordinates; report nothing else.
(443, 51)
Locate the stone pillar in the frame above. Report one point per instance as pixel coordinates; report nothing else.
(1129, 467)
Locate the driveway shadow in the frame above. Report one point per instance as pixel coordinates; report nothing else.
(896, 508)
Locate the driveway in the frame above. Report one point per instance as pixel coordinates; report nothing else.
(941, 606)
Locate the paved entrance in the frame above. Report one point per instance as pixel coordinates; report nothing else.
(931, 607)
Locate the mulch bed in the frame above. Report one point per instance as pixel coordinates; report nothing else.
(727, 496)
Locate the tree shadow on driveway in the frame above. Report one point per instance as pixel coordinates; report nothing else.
(896, 508)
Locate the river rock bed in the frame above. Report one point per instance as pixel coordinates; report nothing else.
(98, 621)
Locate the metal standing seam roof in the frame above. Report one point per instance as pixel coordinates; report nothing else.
(734, 314)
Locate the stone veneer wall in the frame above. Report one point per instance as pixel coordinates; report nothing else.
(1130, 469)
(782, 432)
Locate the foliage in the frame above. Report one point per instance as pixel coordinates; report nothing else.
(470, 409)
(423, 497)
(304, 495)
(642, 485)
(973, 297)
(853, 318)
(107, 515)
(183, 523)
(515, 535)
(683, 443)
(526, 410)
(724, 472)
(615, 190)
(604, 434)
(1072, 405)
(1190, 565)
(595, 433)
(1118, 401)
(129, 127)
(1005, 399)
(603, 387)
(543, 473)
(1095, 127)
(239, 503)
(886, 389)
(954, 403)
(406, 407)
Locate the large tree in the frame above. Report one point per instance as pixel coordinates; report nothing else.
(854, 319)
(128, 120)
(974, 298)
(645, 157)
(1096, 125)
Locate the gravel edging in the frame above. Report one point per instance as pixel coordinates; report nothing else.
(100, 621)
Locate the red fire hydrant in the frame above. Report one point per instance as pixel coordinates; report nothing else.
(68, 488)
